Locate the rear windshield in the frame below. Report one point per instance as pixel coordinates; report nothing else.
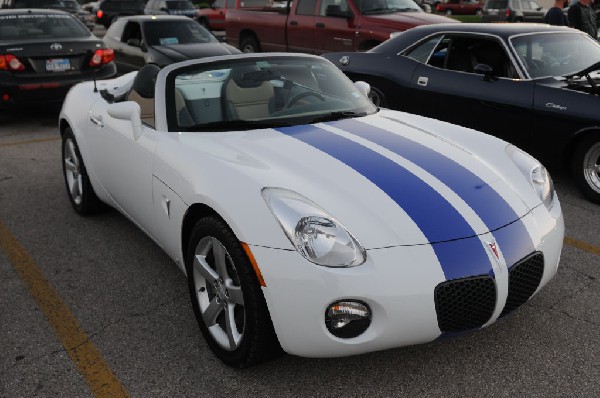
(165, 33)
(40, 26)
(179, 5)
(496, 4)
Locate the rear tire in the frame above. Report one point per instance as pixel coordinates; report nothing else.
(479, 12)
(227, 298)
(249, 44)
(586, 167)
(80, 190)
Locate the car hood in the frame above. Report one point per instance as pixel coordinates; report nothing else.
(182, 52)
(401, 19)
(432, 190)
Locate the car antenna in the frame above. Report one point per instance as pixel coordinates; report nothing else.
(95, 88)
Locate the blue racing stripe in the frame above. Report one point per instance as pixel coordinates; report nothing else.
(480, 196)
(435, 216)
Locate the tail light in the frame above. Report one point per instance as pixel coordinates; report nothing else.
(99, 14)
(102, 56)
(508, 12)
(10, 62)
(438, 8)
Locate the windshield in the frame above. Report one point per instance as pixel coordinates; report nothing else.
(164, 33)
(259, 93)
(372, 7)
(556, 54)
(40, 26)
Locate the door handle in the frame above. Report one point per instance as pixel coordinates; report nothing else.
(293, 23)
(97, 120)
(320, 25)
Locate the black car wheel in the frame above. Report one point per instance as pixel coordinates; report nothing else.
(377, 97)
(80, 190)
(586, 167)
(227, 298)
(249, 44)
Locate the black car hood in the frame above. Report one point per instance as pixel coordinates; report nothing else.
(182, 52)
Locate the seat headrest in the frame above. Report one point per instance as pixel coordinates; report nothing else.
(145, 80)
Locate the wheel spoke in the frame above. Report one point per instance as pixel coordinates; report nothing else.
(202, 267)
(212, 312)
(220, 259)
(230, 326)
(75, 188)
(69, 165)
(235, 294)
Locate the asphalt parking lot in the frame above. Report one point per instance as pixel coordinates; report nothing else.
(93, 307)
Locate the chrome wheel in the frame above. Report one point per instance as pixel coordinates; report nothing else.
(73, 171)
(218, 293)
(591, 167)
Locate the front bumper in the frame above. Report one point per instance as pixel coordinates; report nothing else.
(17, 90)
(397, 283)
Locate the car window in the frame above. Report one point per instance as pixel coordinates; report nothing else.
(422, 52)
(339, 5)
(132, 31)
(32, 26)
(464, 53)
(219, 4)
(164, 33)
(179, 5)
(534, 5)
(231, 4)
(556, 54)
(496, 4)
(525, 5)
(244, 94)
(306, 7)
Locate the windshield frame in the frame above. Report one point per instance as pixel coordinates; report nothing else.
(172, 124)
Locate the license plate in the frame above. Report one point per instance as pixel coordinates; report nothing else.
(58, 65)
(493, 12)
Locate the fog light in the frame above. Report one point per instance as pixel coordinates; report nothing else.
(347, 319)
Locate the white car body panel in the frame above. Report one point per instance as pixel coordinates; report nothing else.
(155, 179)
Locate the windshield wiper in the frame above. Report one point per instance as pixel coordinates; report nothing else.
(595, 66)
(329, 117)
(236, 125)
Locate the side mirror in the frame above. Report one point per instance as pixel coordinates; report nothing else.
(127, 110)
(134, 42)
(486, 71)
(363, 87)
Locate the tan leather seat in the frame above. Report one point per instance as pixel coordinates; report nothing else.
(146, 107)
(250, 101)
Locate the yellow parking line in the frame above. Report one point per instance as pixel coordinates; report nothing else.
(582, 245)
(34, 141)
(75, 341)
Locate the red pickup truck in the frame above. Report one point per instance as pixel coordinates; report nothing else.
(319, 26)
(213, 17)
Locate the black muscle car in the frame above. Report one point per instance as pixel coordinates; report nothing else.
(536, 86)
(160, 40)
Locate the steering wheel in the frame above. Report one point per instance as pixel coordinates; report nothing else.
(298, 97)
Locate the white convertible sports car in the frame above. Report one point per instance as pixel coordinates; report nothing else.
(305, 218)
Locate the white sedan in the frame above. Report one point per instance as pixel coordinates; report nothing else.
(306, 219)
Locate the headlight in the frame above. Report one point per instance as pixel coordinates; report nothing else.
(535, 173)
(315, 234)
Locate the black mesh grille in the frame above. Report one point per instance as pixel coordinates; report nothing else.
(524, 277)
(463, 304)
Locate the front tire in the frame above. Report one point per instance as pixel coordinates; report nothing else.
(249, 44)
(586, 167)
(227, 298)
(80, 190)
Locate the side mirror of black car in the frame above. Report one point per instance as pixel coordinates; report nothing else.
(486, 71)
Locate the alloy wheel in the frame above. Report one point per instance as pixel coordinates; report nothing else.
(591, 167)
(73, 171)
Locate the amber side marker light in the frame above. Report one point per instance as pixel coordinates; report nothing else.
(254, 264)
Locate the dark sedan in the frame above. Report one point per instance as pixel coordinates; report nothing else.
(160, 40)
(44, 52)
(536, 86)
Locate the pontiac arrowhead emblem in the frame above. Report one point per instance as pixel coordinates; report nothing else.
(494, 249)
(56, 46)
